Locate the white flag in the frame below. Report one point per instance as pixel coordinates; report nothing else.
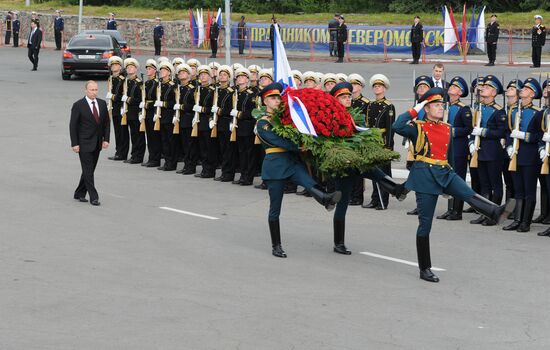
(200, 24)
(481, 30)
(282, 71)
(449, 35)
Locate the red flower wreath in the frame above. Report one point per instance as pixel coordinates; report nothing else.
(328, 116)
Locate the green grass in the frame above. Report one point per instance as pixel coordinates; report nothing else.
(506, 19)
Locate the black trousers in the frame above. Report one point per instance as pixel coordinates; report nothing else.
(122, 138)
(340, 50)
(214, 46)
(33, 56)
(332, 46)
(15, 39)
(138, 140)
(247, 161)
(375, 195)
(158, 45)
(153, 141)
(416, 49)
(272, 48)
(7, 37)
(206, 152)
(241, 46)
(58, 36)
(535, 55)
(228, 152)
(88, 163)
(492, 52)
(190, 148)
(169, 145)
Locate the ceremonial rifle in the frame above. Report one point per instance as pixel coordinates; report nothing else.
(110, 88)
(544, 170)
(158, 110)
(143, 109)
(478, 117)
(233, 125)
(214, 132)
(124, 120)
(196, 117)
(176, 129)
(515, 144)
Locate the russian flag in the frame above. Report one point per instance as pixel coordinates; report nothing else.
(219, 17)
(194, 28)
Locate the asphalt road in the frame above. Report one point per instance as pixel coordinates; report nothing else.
(129, 275)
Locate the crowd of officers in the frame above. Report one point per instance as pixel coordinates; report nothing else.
(202, 115)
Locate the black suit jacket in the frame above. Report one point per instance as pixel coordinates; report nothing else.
(84, 129)
(36, 40)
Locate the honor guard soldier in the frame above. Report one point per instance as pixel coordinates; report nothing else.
(158, 35)
(341, 38)
(328, 81)
(8, 28)
(116, 82)
(538, 39)
(265, 77)
(381, 115)
(214, 33)
(342, 78)
(298, 78)
(310, 80)
(162, 59)
(432, 173)
(194, 64)
(189, 145)
(283, 164)
(176, 62)
(459, 116)
(490, 128)
(242, 116)
(16, 26)
(154, 145)
(58, 28)
(214, 67)
(166, 99)
(111, 23)
(544, 178)
(417, 38)
(203, 109)
(491, 38)
(524, 134)
(131, 101)
(226, 100)
(254, 71)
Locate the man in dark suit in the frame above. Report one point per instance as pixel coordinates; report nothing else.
(214, 33)
(491, 37)
(417, 37)
(158, 34)
(341, 38)
(8, 28)
(16, 25)
(90, 130)
(33, 44)
(241, 35)
(58, 28)
(538, 38)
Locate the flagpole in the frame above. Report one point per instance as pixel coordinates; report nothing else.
(227, 33)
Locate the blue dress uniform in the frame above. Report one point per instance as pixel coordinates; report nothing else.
(158, 33)
(432, 175)
(527, 159)
(460, 119)
(490, 154)
(59, 27)
(111, 24)
(282, 162)
(16, 27)
(545, 178)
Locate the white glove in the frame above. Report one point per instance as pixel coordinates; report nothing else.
(108, 96)
(472, 147)
(122, 110)
(197, 108)
(211, 123)
(232, 126)
(175, 120)
(124, 98)
(477, 131)
(155, 118)
(158, 103)
(215, 109)
(141, 117)
(518, 134)
(419, 106)
(177, 106)
(510, 151)
(546, 137)
(141, 104)
(542, 153)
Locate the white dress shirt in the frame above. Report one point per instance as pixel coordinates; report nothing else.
(91, 106)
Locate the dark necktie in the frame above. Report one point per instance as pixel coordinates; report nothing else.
(95, 112)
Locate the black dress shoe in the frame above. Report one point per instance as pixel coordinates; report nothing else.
(81, 199)
(379, 207)
(478, 221)
(544, 233)
(454, 217)
(444, 215)
(152, 165)
(413, 212)
(134, 161)
(171, 168)
(428, 275)
(261, 186)
(205, 175)
(341, 249)
(219, 178)
(236, 182)
(246, 183)
(116, 157)
(370, 205)
(289, 190)
(190, 171)
(469, 210)
(197, 175)
(355, 202)
(227, 179)
(95, 202)
(126, 161)
(278, 251)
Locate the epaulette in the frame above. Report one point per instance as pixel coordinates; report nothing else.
(497, 106)
(388, 102)
(461, 104)
(449, 125)
(536, 108)
(191, 85)
(171, 83)
(138, 80)
(121, 77)
(212, 87)
(419, 121)
(364, 99)
(230, 89)
(249, 91)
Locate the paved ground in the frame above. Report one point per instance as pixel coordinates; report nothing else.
(128, 275)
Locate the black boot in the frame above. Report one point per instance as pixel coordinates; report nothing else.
(449, 210)
(469, 210)
(339, 234)
(413, 212)
(497, 201)
(543, 208)
(424, 259)
(456, 213)
(528, 211)
(518, 211)
(544, 233)
(397, 190)
(480, 219)
(275, 231)
(328, 200)
(490, 209)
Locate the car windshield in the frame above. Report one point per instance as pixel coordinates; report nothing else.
(90, 41)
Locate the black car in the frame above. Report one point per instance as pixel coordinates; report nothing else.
(114, 34)
(89, 54)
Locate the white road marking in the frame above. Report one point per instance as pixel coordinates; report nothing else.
(406, 262)
(189, 213)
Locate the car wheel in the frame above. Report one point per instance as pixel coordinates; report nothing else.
(66, 76)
